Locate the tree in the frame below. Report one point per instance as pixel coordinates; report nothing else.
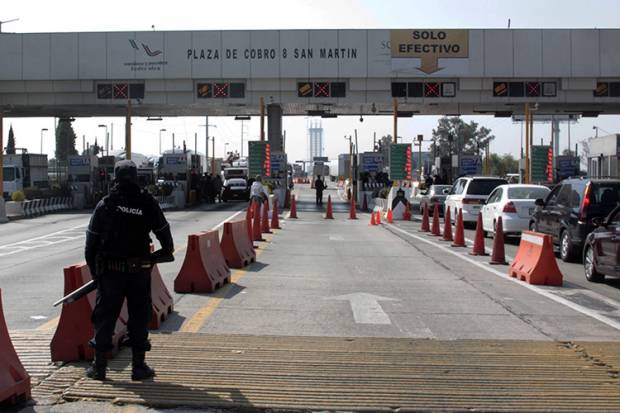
(500, 165)
(10, 145)
(65, 140)
(467, 138)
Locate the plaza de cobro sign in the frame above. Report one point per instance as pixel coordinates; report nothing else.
(429, 45)
(296, 53)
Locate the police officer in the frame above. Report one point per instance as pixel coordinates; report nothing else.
(118, 255)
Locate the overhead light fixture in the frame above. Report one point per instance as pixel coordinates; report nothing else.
(243, 117)
(503, 114)
(590, 114)
(152, 118)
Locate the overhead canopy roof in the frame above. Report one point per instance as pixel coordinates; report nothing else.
(428, 71)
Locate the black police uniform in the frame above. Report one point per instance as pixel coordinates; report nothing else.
(118, 255)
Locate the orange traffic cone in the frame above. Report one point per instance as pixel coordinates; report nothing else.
(256, 233)
(447, 226)
(372, 218)
(330, 213)
(352, 211)
(275, 220)
(407, 213)
(435, 227)
(479, 239)
(390, 216)
(378, 218)
(293, 213)
(498, 256)
(265, 221)
(459, 232)
(425, 227)
(365, 204)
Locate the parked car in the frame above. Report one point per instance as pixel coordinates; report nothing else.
(436, 194)
(235, 188)
(469, 193)
(567, 212)
(515, 203)
(601, 255)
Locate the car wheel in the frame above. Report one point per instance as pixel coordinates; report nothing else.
(589, 268)
(567, 249)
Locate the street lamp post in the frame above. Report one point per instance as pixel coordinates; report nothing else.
(160, 131)
(107, 143)
(42, 130)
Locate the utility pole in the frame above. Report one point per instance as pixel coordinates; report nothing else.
(206, 141)
(128, 131)
(526, 166)
(213, 158)
(395, 104)
(242, 124)
(420, 167)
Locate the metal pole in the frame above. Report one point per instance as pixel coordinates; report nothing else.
(128, 131)
(173, 149)
(242, 124)
(569, 137)
(1, 156)
(395, 103)
(355, 169)
(160, 141)
(111, 136)
(374, 141)
(526, 172)
(206, 143)
(213, 157)
(262, 118)
(195, 142)
(420, 138)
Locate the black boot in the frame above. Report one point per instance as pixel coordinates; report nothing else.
(97, 369)
(139, 369)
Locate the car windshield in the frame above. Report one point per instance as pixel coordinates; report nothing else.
(527, 192)
(236, 183)
(9, 174)
(438, 189)
(484, 186)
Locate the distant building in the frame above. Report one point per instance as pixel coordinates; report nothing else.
(603, 156)
(315, 139)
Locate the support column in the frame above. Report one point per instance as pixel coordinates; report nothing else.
(274, 127)
(262, 119)
(128, 131)
(3, 218)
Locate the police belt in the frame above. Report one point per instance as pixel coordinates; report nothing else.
(124, 265)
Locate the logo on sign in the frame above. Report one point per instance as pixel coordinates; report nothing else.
(146, 48)
(429, 46)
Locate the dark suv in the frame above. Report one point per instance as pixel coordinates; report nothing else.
(567, 212)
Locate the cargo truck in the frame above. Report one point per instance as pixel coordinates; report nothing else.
(24, 170)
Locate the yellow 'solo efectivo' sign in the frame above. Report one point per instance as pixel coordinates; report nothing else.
(429, 45)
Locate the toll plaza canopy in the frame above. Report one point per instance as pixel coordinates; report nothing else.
(316, 72)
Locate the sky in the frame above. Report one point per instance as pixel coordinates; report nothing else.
(115, 15)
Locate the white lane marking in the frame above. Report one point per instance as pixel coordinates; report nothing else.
(53, 238)
(336, 237)
(38, 317)
(547, 292)
(227, 219)
(366, 308)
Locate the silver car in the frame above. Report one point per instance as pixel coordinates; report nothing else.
(436, 194)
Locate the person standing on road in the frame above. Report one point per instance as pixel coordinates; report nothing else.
(257, 190)
(319, 186)
(119, 258)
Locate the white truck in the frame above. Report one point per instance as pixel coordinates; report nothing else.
(24, 170)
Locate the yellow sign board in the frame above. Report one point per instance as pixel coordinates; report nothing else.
(429, 45)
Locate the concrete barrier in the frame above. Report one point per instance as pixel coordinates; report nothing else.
(75, 329)
(14, 380)
(236, 245)
(535, 261)
(204, 268)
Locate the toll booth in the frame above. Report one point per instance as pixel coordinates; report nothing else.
(603, 157)
(85, 179)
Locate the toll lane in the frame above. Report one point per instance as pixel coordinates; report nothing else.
(31, 279)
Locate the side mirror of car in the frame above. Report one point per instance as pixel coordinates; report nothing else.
(539, 202)
(598, 221)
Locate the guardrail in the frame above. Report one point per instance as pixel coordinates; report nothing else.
(37, 207)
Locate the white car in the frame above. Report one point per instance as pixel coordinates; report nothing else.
(515, 204)
(469, 194)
